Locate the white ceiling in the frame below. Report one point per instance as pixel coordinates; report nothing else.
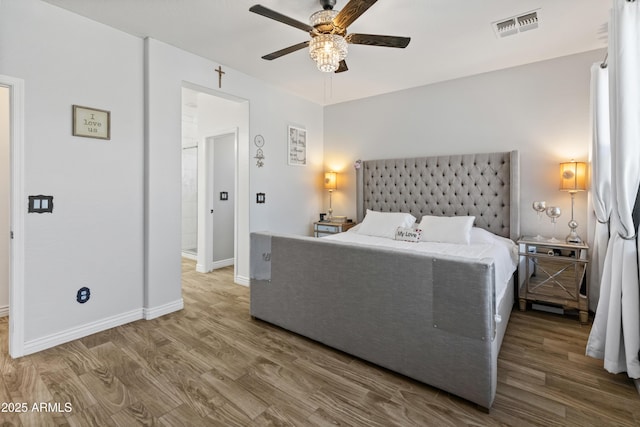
(449, 38)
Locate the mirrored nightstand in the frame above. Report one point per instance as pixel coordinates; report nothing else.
(554, 272)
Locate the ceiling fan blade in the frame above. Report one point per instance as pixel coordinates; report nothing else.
(377, 40)
(286, 50)
(351, 12)
(261, 10)
(342, 67)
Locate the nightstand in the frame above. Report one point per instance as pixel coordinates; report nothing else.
(554, 272)
(326, 228)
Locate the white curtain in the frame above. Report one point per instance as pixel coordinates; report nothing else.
(600, 177)
(615, 335)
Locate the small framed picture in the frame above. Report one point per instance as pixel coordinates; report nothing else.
(91, 122)
(297, 146)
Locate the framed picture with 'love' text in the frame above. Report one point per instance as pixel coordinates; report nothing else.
(91, 122)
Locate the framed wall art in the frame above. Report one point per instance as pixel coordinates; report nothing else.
(297, 146)
(91, 122)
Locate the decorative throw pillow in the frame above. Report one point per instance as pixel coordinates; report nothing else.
(447, 229)
(385, 224)
(408, 234)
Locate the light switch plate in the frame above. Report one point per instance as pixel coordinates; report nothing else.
(40, 204)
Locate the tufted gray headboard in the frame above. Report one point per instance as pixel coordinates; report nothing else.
(486, 186)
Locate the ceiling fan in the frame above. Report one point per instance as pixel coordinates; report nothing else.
(328, 31)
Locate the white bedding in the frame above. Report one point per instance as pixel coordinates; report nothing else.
(483, 244)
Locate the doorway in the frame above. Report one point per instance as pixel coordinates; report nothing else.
(211, 128)
(5, 199)
(13, 208)
(218, 195)
(190, 201)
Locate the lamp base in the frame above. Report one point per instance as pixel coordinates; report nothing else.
(573, 238)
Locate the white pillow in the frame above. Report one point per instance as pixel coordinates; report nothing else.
(409, 234)
(447, 229)
(384, 224)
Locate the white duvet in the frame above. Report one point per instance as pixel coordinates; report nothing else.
(483, 244)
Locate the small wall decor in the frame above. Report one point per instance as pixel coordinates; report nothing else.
(91, 122)
(259, 142)
(220, 73)
(297, 146)
(260, 198)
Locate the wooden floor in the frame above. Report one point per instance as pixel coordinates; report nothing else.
(211, 365)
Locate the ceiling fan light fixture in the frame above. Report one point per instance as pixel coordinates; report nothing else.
(328, 50)
(323, 17)
(328, 31)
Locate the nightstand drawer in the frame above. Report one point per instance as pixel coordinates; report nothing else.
(321, 229)
(327, 228)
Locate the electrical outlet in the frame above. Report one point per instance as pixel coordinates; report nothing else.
(83, 295)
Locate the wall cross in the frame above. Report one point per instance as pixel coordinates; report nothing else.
(220, 73)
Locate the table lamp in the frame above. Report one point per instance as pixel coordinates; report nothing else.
(573, 178)
(330, 183)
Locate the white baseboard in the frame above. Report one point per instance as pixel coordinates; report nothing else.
(152, 313)
(4, 311)
(53, 340)
(241, 280)
(223, 263)
(189, 255)
(214, 265)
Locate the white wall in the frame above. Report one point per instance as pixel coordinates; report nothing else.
(116, 220)
(293, 193)
(94, 237)
(540, 109)
(5, 197)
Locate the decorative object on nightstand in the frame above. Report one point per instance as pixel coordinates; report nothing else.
(325, 228)
(573, 178)
(554, 212)
(330, 183)
(539, 207)
(554, 273)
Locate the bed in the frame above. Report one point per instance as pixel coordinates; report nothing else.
(437, 316)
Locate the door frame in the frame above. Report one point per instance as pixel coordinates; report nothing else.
(205, 261)
(17, 214)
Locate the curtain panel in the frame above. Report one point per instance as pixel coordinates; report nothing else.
(600, 177)
(615, 335)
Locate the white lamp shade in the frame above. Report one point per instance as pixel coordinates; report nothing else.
(330, 180)
(573, 176)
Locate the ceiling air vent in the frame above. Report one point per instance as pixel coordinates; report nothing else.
(516, 24)
(505, 28)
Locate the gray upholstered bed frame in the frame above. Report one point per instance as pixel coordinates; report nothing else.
(483, 185)
(433, 319)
